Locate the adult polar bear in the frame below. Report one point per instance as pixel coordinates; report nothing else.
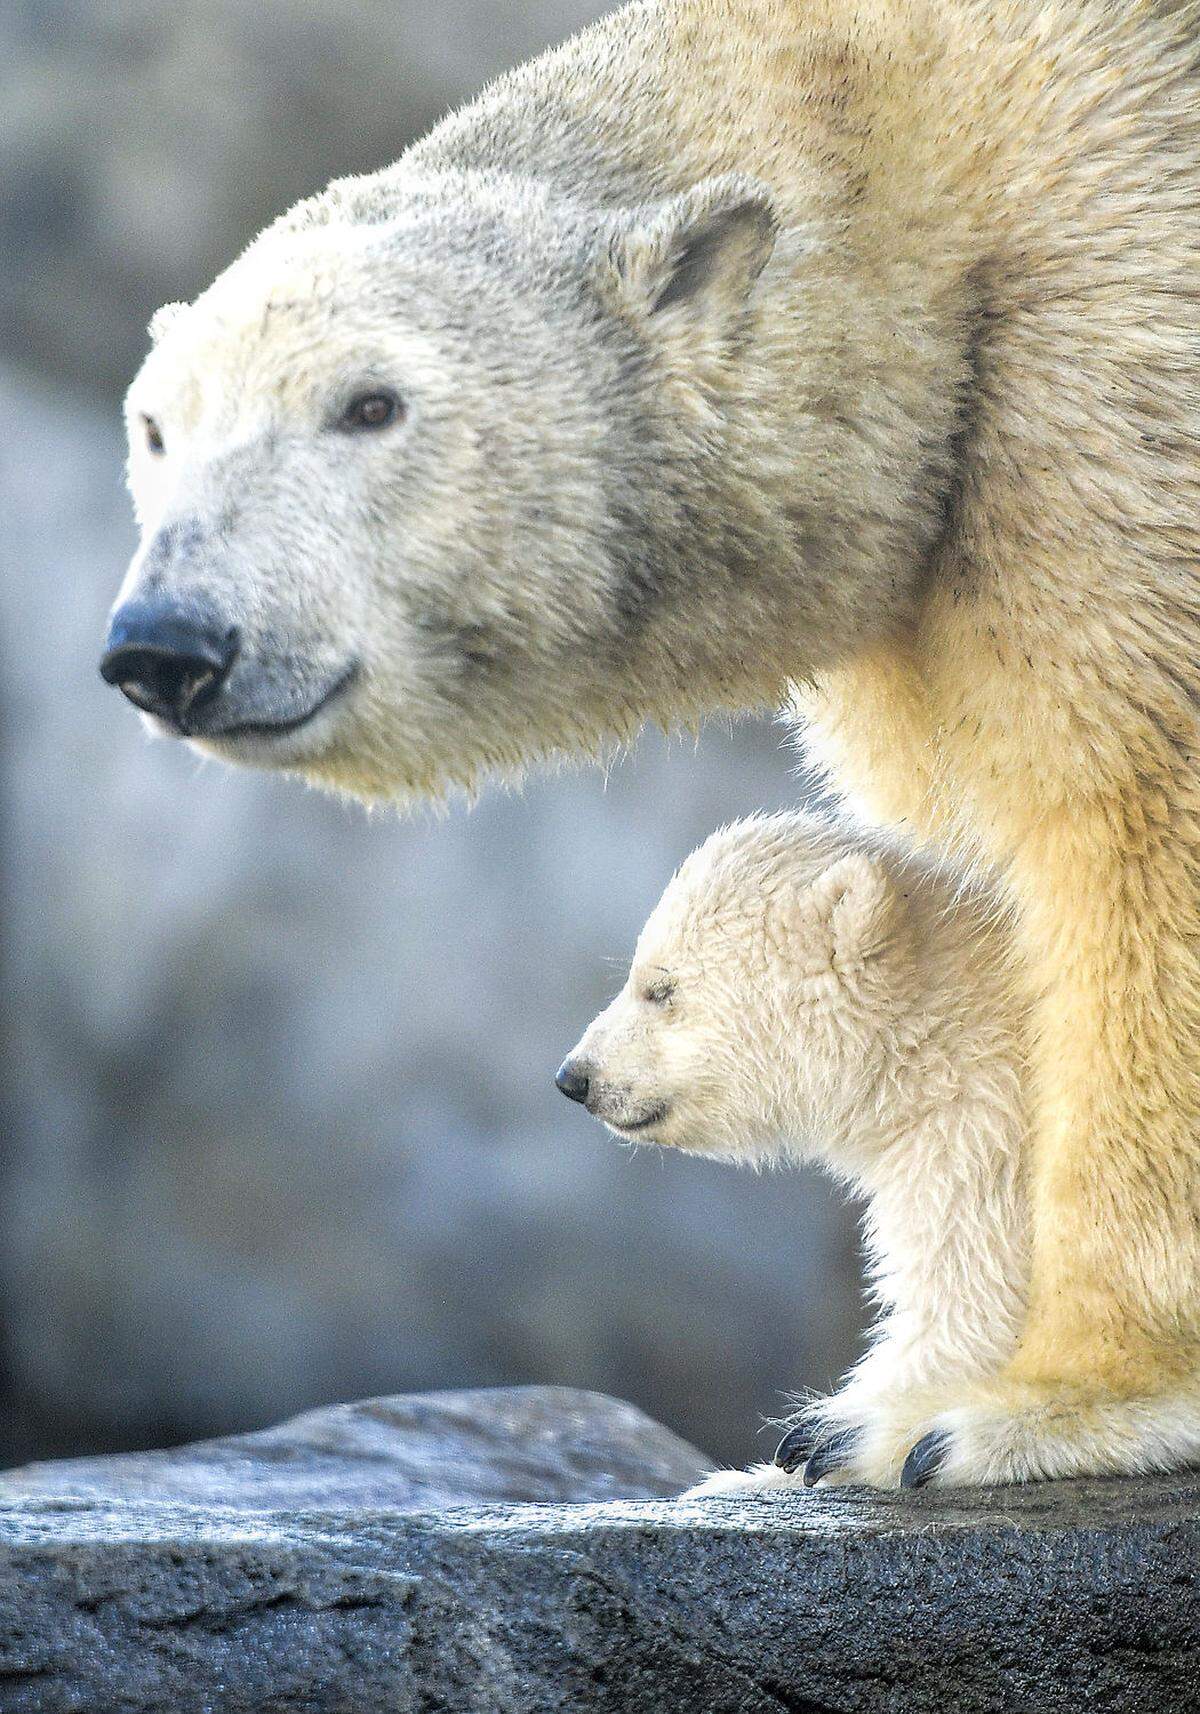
(740, 342)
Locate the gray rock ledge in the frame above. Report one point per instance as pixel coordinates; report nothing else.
(372, 1559)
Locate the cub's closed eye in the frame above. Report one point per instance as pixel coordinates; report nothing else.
(368, 412)
(154, 436)
(658, 993)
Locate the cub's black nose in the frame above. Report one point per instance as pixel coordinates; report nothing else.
(169, 660)
(573, 1080)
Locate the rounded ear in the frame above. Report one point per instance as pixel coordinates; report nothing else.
(163, 318)
(860, 905)
(689, 263)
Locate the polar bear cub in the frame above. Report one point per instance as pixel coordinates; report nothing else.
(802, 993)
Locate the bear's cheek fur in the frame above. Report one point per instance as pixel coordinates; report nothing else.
(462, 624)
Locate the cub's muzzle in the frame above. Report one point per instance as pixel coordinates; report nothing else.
(573, 1079)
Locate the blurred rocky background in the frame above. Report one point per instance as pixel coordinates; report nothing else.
(277, 1115)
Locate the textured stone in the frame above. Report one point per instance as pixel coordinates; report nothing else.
(414, 1452)
(1064, 1597)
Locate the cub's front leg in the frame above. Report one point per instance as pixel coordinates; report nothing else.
(869, 1447)
(947, 1246)
(862, 1433)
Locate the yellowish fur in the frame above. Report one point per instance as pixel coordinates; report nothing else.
(1040, 715)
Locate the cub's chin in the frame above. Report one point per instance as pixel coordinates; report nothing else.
(667, 1130)
(643, 1125)
(672, 1130)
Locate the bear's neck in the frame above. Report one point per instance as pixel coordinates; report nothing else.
(801, 521)
(795, 527)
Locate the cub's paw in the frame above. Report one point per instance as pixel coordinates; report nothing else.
(1009, 1432)
(727, 1484)
(856, 1436)
(814, 1448)
(816, 1451)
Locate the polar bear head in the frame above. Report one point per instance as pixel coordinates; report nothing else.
(772, 990)
(426, 483)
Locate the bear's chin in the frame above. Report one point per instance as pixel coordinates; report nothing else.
(658, 1133)
(303, 751)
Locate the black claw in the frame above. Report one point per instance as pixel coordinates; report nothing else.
(795, 1446)
(925, 1459)
(829, 1454)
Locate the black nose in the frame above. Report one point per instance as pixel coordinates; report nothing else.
(169, 660)
(573, 1080)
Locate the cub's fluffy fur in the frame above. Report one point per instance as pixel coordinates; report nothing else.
(802, 994)
(742, 342)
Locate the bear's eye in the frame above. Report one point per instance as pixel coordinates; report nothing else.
(375, 410)
(154, 437)
(659, 993)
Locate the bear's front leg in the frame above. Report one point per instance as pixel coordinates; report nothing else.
(1009, 1431)
(1106, 1374)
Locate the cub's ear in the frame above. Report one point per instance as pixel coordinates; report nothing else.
(163, 318)
(860, 906)
(686, 266)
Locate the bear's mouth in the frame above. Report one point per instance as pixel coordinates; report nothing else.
(640, 1121)
(282, 726)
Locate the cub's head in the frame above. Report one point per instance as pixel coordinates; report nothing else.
(416, 481)
(769, 988)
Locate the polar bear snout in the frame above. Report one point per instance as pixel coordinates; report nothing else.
(169, 659)
(618, 1105)
(573, 1077)
(200, 676)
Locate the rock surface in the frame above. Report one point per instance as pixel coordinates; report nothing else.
(411, 1453)
(124, 1589)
